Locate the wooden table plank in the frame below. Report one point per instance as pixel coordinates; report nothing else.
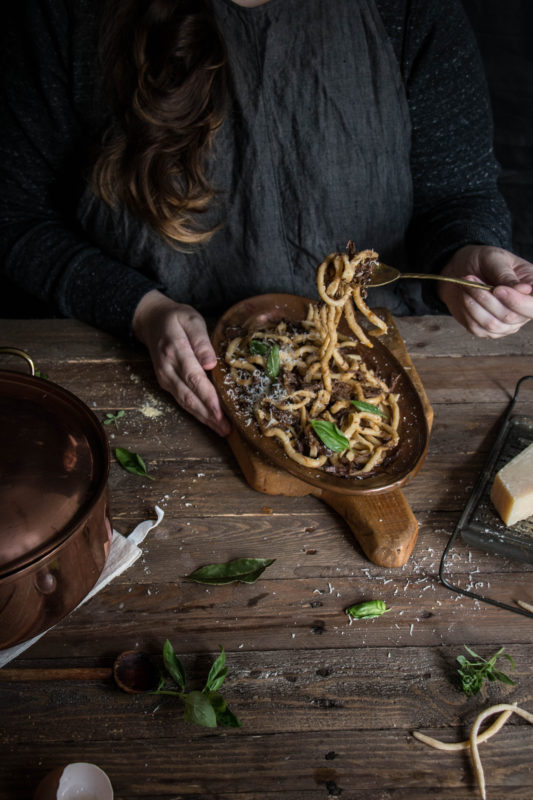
(271, 692)
(234, 765)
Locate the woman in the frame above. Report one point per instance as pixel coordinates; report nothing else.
(163, 159)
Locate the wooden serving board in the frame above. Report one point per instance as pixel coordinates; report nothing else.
(383, 524)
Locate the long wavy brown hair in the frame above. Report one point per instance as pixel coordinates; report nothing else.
(164, 67)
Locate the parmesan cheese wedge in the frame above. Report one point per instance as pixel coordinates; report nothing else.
(512, 490)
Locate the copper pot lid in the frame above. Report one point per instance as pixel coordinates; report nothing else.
(54, 466)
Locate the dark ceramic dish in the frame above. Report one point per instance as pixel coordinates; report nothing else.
(405, 460)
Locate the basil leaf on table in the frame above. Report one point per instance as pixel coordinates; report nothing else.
(330, 435)
(228, 719)
(110, 417)
(473, 673)
(362, 406)
(243, 570)
(198, 709)
(367, 610)
(207, 707)
(217, 673)
(173, 665)
(131, 462)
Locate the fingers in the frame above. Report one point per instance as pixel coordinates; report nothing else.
(503, 268)
(518, 300)
(196, 394)
(498, 267)
(490, 314)
(181, 373)
(486, 315)
(510, 305)
(181, 352)
(198, 338)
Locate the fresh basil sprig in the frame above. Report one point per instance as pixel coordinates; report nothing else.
(330, 435)
(367, 610)
(473, 673)
(113, 418)
(362, 406)
(272, 363)
(206, 707)
(131, 462)
(243, 570)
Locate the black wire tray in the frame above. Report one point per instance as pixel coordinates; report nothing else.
(480, 525)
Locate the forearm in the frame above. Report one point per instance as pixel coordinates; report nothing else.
(55, 264)
(470, 218)
(455, 195)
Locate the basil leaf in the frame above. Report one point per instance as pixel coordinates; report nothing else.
(330, 435)
(199, 710)
(473, 673)
(258, 348)
(174, 665)
(217, 673)
(495, 675)
(217, 682)
(113, 418)
(218, 702)
(228, 719)
(368, 610)
(131, 462)
(272, 365)
(42, 375)
(224, 716)
(362, 406)
(208, 707)
(243, 570)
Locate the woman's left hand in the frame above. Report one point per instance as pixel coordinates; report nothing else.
(489, 314)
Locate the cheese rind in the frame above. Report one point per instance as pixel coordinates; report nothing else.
(512, 490)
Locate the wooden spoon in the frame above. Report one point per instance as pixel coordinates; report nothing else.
(135, 672)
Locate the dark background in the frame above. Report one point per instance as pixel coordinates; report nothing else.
(504, 30)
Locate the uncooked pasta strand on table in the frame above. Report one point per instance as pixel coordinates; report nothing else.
(504, 710)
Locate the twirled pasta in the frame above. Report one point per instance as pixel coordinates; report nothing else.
(320, 376)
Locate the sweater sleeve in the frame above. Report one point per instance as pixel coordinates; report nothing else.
(43, 136)
(454, 171)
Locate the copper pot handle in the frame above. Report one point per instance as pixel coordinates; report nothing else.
(14, 351)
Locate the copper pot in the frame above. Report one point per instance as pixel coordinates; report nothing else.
(55, 526)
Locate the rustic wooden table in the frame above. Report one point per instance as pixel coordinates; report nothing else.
(327, 707)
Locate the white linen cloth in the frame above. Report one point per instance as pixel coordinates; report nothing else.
(124, 551)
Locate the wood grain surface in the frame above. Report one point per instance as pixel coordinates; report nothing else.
(327, 707)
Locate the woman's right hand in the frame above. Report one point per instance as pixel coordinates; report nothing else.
(181, 352)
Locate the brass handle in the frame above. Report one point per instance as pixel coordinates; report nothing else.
(14, 351)
(448, 279)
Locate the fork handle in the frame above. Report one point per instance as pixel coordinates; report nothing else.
(460, 281)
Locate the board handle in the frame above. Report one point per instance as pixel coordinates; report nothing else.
(383, 524)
